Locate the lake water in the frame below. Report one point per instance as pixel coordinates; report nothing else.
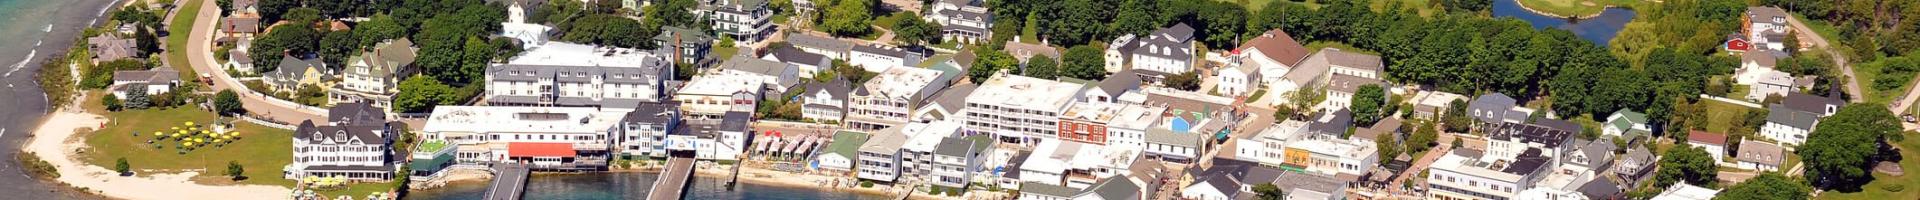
(1599, 29)
(634, 186)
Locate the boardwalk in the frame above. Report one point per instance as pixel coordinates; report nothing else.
(509, 182)
(673, 181)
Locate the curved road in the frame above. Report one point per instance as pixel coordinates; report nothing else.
(1853, 83)
(200, 56)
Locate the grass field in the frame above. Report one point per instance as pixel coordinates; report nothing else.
(1879, 188)
(177, 31)
(1315, 46)
(1722, 115)
(262, 151)
(1866, 73)
(1574, 7)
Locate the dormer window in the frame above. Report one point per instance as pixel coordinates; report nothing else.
(1779, 20)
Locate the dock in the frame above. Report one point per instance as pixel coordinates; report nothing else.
(674, 180)
(509, 182)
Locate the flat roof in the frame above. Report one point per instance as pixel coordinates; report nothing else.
(1025, 92)
(902, 81)
(571, 54)
(518, 119)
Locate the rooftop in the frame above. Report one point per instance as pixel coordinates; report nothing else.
(1276, 45)
(571, 54)
(1703, 137)
(1761, 152)
(902, 82)
(846, 143)
(513, 119)
(1795, 118)
(1025, 92)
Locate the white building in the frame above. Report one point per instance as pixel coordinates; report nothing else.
(923, 141)
(841, 155)
(888, 98)
(713, 95)
(963, 21)
(825, 46)
(1270, 145)
(1168, 51)
(350, 147)
(150, 82)
(577, 75)
(1789, 126)
(876, 58)
(1466, 174)
(374, 76)
(553, 138)
(804, 64)
(1342, 89)
(880, 157)
(721, 139)
(1271, 54)
(1019, 108)
(1714, 143)
(1767, 28)
(825, 102)
(1128, 129)
(956, 160)
(644, 131)
(1683, 191)
(747, 21)
(1760, 156)
(1626, 123)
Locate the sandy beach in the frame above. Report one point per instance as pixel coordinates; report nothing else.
(55, 141)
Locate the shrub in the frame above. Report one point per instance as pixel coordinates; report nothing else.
(1894, 187)
(122, 166)
(866, 184)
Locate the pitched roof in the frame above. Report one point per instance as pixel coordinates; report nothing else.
(307, 132)
(1795, 118)
(839, 87)
(754, 65)
(1353, 60)
(1631, 117)
(1598, 150)
(1761, 152)
(887, 140)
(1116, 187)
(1706, 138)
(794, 55)
(1159, 135)
(106, 47)
(1562, 125)
(1764, 13)
(241, 23)
(1276, 45)
(1047, 189)
(356, 114)
(954, 98)
(1764, 59)
(157, 75)
(1120, 82)
(1600, 188)
(1173, 42)
(817, 42)
(1351, 84)
(1810, 103)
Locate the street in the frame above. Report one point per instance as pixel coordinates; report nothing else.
(199, 55)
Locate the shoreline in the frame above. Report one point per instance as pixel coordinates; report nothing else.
(1523, 5)
(750, 175)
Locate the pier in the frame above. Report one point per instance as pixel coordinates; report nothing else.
(675, 179)
(509, 182)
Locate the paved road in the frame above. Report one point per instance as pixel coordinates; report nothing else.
(1853, 82)
(26, 105)
(200, 56)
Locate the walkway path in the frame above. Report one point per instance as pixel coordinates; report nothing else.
(1853, 82)
(1446, 146)
(55, 141)
(199, 55)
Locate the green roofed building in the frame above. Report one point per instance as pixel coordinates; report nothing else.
(1626, 123)
(840, 154)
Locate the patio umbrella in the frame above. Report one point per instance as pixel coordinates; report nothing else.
(186, 143)
(157, 134)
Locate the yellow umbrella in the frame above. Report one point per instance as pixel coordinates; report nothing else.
(157, 134)
(189, 123)
(226, 137)
(176, 128)
(176, 135)
(190, 128)
(181, 131)
(218, 141)
(310, 179)
(186, 143)
(199, 140)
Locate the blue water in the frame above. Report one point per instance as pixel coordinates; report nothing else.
(634, 186)
(1598, 29)
(25, 24)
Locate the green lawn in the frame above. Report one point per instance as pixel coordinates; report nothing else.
(1256, 95)
(262, 151)
(1575, 7)
(723, 53)
(1721, 115)
(1252, 5)
(1421, 5)
(1866, 73)
(178, 29)
(1878, 188)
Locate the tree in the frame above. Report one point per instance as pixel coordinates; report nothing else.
(235, 170)
(1768, 186)
(111, 102)
(848, 18)
(226, 102)
(303, 16)
(419, 94)
(1268, 191)
(1305, 98)
(1369, 104)
(1074, 22)
(1136, 17)
(145, 41)
(1456, 117)
(271, 10)
(122, 166)
(138, 99)
(1387, 149)
(987, 63)
(1041, 67)
(1842, 148)
(1688, 164)
(337, 46)
(1189, 81)
(297, 41)
(378, 28)
(913, 30)
(1422, 138)
(1086, 62)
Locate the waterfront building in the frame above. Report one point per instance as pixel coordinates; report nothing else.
(886, 100)
(577, 75)
(546, 138)
(150, 82)
(716, 139)
(347, 147)
(880, 156)
(644, 131)
(841, 155)
(1019, 109)
(825, 102)
(956, 159)
(1114, 188)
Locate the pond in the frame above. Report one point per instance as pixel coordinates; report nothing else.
(1598, 29)
(633, 185)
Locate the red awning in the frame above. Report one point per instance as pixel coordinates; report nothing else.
(539, 149)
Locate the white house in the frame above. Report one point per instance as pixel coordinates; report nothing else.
(955, 160)
(805, 64)
(1237, 81)
(1167, 51)
(830, 47)
(716, 94)
(717, 139)
(1760, 156)
(1684, 191)
(374, 76)
(347, 147)
(825, 102)
(644, 131)
(747, 21)
(1767, 27)
(1626, 123)
(1714, 143)
(150, 82)
(841, 155)
(1272, 54)
(1789, 126)
(1342, 89)
(963, 21)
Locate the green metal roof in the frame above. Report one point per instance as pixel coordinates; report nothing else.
(846, 143)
